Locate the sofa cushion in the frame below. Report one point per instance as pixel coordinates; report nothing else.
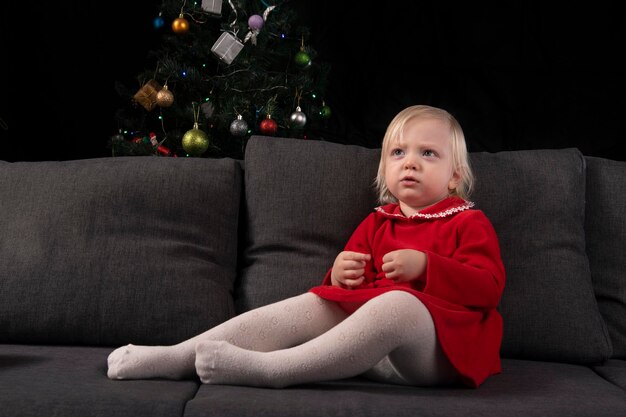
(614, 371)
(605, 226)
(304, 199)
(524, 389)
(71, 381)
(121, 250)
(536, 202)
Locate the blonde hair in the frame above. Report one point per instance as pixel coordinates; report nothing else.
(460, 159)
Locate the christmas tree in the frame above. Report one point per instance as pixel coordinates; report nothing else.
(224, 70)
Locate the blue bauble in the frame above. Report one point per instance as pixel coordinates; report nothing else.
(158, 22)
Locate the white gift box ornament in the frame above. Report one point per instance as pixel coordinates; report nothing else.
(227, 47)
(212, 6)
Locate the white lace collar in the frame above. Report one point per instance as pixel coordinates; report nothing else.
(444, 208)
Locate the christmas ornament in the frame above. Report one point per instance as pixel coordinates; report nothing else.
(302, 59)
(164, 97)
(227, 47)
(297, 119)
(256, 22)
(141, 140)
(158, 22)
(153, 139)
(180, 25)
(213, 7)
(146, 96)
(325, 112)
(195, 141)
(163, 150)
(238, 127)
(268, 126)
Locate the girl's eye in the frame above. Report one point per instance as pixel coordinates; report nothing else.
(397, 152)
(428, 152)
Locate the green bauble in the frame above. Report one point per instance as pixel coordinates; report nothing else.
(195, 141)
(325, 112)
(302, 59)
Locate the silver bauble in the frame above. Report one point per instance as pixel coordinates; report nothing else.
(239, 127)
(297, 119)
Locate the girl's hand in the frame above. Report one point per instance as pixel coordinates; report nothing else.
(404, 264)
(349, 269)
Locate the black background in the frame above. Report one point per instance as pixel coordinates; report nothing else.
(517, 74)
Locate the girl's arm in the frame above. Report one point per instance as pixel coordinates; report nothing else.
(474, 276)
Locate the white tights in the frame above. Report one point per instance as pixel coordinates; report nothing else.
(302, 339)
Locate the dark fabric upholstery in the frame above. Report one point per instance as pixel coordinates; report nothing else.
(300, 213)
(71, 381)
(143, 250)
(117, 250)
(613, 370)
(605, 226)
(524, 389)
(536, 202)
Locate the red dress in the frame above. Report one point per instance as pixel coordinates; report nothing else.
(461, 286)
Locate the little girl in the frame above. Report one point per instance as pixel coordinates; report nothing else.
(411, 299)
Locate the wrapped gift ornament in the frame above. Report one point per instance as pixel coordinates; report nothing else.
(212, 6)
(147, 95)
(227, 47)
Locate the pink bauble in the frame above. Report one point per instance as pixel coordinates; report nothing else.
(255, 22)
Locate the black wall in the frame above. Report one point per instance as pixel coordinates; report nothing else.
(518, 75)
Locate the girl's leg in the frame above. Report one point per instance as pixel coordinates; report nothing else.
(396, 324)
(275, 326)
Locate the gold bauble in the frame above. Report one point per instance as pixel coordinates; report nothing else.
(164, 97)
(195, 141)
(180, 25)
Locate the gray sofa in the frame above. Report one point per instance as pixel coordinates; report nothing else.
(98, 253)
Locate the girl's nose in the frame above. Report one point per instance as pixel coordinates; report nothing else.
(410, 162)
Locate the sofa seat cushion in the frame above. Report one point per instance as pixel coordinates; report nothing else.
(524, 389)
(110, 251)
(71, 381)
(605, 226)
(613, 370)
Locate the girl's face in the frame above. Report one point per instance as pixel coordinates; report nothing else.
(418, 167)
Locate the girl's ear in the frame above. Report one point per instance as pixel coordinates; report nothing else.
(454, 181)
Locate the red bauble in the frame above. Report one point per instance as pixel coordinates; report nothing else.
(268, 126)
